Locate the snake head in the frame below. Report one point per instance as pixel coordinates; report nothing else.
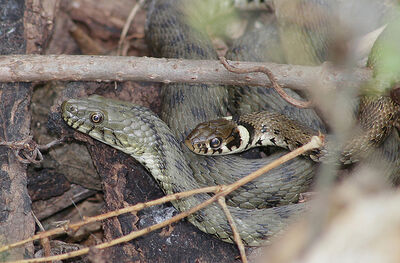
(82, 116)
(123, 125)
(217, 137)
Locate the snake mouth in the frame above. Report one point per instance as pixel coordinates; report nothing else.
(63, 106)
(66, 115)
(198, 148)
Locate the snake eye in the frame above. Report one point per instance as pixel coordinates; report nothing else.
(72, 108)
(96, 117)
(215, 142)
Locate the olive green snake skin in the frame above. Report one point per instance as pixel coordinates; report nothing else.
(261, 208)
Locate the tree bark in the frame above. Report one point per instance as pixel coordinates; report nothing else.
(16, 222)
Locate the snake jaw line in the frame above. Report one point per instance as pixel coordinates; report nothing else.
(244, 135)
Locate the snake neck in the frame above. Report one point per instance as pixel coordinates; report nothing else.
(270, 128)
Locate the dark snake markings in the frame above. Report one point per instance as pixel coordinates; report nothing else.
(184, 106)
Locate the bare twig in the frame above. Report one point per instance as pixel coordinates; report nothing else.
(316, 142)
(128, 23)
(45, 242)
(272, 79)
(47, 146)
(221, 191)
(235, 231)
(27, 150)
(137, 207)
(27, 68)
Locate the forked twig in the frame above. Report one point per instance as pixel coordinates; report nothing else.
(272, 79)
(220, 191)
(27, 150)
(235, 231)
(128, 23)
(137, 207)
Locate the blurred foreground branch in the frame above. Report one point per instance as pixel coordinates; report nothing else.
(28, 68)
(361, 223)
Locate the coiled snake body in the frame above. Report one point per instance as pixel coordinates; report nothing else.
(157, 145)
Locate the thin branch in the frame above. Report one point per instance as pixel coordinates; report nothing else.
(27, 150)
(316, 142)
(137, 207)
(45, 242)
(128, 23)
(272, 79)
(235, 231)
(28, 68)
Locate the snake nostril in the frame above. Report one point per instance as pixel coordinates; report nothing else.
(68, 107)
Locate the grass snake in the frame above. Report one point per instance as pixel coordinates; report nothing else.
(261, 208)
(377, 117)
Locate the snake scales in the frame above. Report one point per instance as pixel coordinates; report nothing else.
(156, 144)
(377, 117)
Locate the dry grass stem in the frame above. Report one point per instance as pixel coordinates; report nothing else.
(137, 207)
(236, 235)
(316, 142)
(45, 242)
(128, 23)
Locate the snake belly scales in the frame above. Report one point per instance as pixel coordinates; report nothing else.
(260, 208)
